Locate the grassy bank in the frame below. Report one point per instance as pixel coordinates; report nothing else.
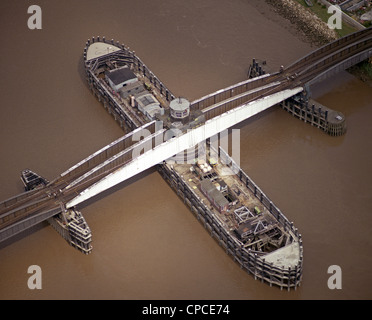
(321, 11)
(363, 71)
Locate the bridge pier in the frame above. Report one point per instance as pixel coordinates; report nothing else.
(71, 225)
(308, 110)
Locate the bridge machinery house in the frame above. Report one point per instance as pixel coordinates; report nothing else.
(120, 78)
(125, 82)
(148, 105)
(214, 195)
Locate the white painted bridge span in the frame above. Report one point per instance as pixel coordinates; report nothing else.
(182, 142)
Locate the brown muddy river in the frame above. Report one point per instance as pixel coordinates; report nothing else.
(147, 244)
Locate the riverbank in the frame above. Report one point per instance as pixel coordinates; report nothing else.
(320, 8)
(308, 24)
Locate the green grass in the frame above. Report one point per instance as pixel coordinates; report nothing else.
(363, 71)
(367, 24)
(321, 11)
(366, 67)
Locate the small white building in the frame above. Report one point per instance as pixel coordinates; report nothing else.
(120, 77)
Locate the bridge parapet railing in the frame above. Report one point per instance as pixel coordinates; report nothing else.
(341, 54)
(328, 47)
(229, 104)
(105, 153)
(117, 160)
(16, 199)
(229, 92)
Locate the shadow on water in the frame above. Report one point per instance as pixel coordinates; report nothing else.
(24, 234)
(81, 71)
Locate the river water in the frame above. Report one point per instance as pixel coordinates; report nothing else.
(147, 244)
